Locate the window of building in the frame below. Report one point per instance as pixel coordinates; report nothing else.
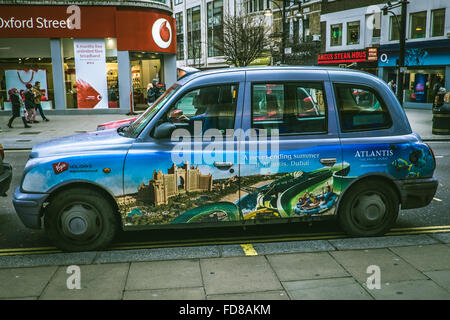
(336, 35)
(353, 32)
(393, 32)
(437, 22)
(214, 107)
(418, 25)
(177, 2)
(215, 26)
(180, 35)
(360, 108)
(376, 26)
(194, 34)
(293, 108)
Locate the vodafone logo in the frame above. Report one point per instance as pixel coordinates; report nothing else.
(162, 33)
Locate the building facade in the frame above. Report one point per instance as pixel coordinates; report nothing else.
(356, 34)
(97, 55)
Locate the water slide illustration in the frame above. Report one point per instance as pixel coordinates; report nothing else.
(229, 209)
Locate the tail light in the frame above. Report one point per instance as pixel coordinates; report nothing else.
(432, 153)
(2, 152)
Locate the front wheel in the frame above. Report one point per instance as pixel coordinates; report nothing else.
(80, 220)
(369, 208)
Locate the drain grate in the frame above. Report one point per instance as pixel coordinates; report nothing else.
(23, 140)
(30, 132)
(81, 131)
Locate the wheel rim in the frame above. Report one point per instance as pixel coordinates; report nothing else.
(369, 210)
(80, 222)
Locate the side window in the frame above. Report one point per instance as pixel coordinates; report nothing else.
(360, 108)
(292, 108)
(213, 106)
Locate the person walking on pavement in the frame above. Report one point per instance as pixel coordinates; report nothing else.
(17, 108)
(37, 99)
(150, 94)
(29, 104)
(156, 89)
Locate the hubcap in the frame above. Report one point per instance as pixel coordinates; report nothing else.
(369, 209)
(80, 222)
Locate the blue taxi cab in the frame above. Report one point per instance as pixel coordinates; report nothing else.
(235, 146)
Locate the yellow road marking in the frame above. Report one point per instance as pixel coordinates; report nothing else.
(249, 250)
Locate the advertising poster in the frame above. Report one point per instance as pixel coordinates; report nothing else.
(90, 69)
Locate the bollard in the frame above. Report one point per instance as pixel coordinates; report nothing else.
(441, 119)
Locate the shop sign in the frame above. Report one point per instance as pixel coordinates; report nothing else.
(343, 57)
(90, 67)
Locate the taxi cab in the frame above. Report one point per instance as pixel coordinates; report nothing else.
(233, 147)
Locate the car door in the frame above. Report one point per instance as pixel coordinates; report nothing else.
(291, 160)
(191, 175)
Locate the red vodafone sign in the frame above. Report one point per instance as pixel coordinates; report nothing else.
(136, 29)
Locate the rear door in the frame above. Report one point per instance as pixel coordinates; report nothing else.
(291, 156)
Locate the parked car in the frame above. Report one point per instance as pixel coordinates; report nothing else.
(235, 146)
(5, 173)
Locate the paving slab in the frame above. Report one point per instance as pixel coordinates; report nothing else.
(97, 282)
(164, 275)
(166, 294)
(411, 290)
(266, 295)
(157, 254)
(303, 266)
(382, 242)
(326, 289)
(442, 237)
(426, 258)
(392, 267)
(238, 275)
(24, 282)
(231, 250)
(54, 259)
(292, 246)
(441, 278)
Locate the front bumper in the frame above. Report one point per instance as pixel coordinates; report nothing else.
(416, 193)
(28, 207)
(5, 178)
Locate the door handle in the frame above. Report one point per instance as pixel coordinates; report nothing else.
(223, 165)
(329, 162)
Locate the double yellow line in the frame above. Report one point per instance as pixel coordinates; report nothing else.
(246, 243)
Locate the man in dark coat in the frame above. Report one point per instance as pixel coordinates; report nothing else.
(17, 107)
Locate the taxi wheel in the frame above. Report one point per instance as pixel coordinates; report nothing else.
(369, 208)
(80, 220)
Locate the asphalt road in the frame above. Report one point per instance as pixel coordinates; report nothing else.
(14, 235)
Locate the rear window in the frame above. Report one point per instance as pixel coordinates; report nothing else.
(361, 108)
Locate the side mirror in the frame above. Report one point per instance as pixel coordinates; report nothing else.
(164, 130)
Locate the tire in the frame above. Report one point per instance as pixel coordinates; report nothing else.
(80, 220)
(369, 208)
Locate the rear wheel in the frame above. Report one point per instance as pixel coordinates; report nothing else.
(80, 220)
(369, 208)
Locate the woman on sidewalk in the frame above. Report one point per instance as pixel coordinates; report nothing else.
(17, 107)
(29, 104)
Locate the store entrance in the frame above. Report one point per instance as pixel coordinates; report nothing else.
(145, 67)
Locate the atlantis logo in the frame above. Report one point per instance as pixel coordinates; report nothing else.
(374, 153)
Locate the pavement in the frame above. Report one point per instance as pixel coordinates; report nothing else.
(382, 268)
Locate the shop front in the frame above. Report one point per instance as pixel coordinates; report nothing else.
(365, 60)
(86, 57)
(427, 66)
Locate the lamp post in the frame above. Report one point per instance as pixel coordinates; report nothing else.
(269, 12)
(402, 39)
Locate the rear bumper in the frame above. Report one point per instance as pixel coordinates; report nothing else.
(5, 178)
(28, 207)
(416, 193)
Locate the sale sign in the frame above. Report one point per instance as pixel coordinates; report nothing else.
(90, 69)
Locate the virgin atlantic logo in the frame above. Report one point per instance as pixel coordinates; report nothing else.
(162, 33)
(60, 167)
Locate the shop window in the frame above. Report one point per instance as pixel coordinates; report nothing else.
(422, 84)
(294, 108)
(336, 35)
(360, 109)
(418, 25)
(215, 27)
(353, 32)
(437, 22)
(393, 32)
(19, 66)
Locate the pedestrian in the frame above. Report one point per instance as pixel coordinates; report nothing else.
(391, 84)
(156, 89)
(150, 94)
(29, 104)
(17, 107)
(439, 99)
(37, 99)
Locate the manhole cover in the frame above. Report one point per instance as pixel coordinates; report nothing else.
(80, 131)
(23, 140)
(30, 132)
